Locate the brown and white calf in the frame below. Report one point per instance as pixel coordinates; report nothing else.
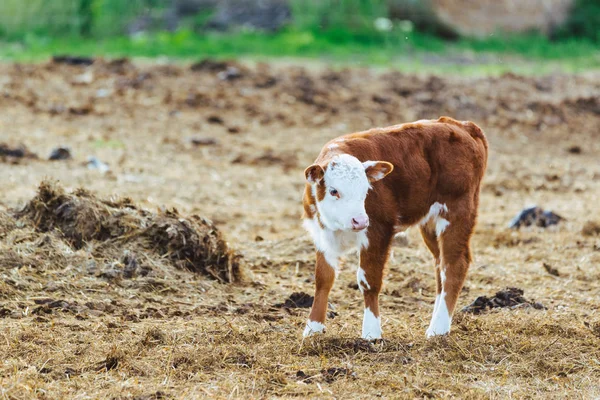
(432, 170)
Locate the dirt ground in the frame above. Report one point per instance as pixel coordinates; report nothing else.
(230, 143)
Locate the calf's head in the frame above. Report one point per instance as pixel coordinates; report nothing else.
(340, 188)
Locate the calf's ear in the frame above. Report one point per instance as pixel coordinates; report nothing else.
(377, 170)
(314, 173)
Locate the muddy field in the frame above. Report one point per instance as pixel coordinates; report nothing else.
(126, 289)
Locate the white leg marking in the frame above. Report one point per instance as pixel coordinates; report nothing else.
(440, 320)
(361, 279)
(440, 226)
(362, 241)
(434, 216)
(436, 304)
(313, 327)
(443, 280)
(371, 328)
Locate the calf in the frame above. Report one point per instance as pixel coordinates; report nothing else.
(433, 171)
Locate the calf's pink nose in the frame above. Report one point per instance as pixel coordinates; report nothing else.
(359, 223)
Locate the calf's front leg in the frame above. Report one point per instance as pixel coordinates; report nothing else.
(369, 277)
(324, 278)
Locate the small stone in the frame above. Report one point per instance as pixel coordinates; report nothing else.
(94, 163)
(202, 141)
(575, 149)
(60, 153)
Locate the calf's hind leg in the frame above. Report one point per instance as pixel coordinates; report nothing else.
(455, 257)
(431, 241)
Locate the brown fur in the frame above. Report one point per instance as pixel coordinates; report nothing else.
(433, 161)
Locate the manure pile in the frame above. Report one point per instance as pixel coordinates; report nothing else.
(114, 233)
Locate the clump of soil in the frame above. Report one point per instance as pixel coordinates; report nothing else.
(60, 153)
(508, 298)
(333, 373)
(535, 216)
(72, 60)
(113, 226)
(297, 300)
(13, 153)
(211, 65)
(328, 375)
(550, 269)
(591, 228)
(113, 358)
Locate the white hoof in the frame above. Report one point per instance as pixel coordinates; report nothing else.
(436, 331)
(313, 327)
(371, 329)
(441, 320)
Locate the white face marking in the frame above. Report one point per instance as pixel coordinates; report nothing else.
(313, 327)
(361, 279)
(371, 328)
(346, 175)
(440, 320)
(333, 146)
(434, 216)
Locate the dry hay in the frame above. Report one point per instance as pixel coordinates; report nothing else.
(100, 313)
(117, 229)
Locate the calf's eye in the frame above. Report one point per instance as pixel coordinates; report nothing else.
(334, 193)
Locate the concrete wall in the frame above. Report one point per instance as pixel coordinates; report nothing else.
(484, 17)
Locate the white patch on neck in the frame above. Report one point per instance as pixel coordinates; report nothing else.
(440, 320)
(313, 327)
(371, 328)
(335, 244)
(434, 216)
(361, 280)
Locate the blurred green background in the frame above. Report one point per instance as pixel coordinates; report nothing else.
(487, 35)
